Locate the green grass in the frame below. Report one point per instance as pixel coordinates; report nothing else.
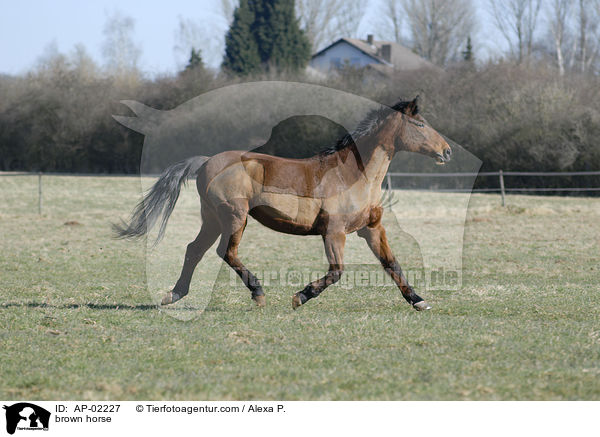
(77, 318)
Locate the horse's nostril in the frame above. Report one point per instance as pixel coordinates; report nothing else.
(447, 153)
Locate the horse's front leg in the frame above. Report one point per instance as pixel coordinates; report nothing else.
(334, 249)
(378, 243)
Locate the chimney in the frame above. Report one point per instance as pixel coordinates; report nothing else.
(386, 52)
(370, 39)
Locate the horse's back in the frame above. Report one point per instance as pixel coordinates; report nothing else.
(248, 173)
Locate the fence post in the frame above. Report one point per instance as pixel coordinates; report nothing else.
(40, 193)
(389, 190)
(501, 175)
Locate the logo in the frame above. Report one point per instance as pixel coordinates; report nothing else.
(26, 416)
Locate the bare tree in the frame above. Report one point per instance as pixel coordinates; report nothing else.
(317, 18)
(82, 63)
(439, 27)
(349, 16)
(119, 49)
(389, 24)
(594, 45)
(588, 29)
(558, 16)
(326, 20)
(190, 34)
(531, 17)
(517, 21)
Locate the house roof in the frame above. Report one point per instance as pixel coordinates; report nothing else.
(402, 58)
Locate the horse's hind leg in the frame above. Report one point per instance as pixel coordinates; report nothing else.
(195, 251)
(378, 243)
(234, 218)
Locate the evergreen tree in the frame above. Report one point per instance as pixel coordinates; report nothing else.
(468, 53)
(241, 50)
(285, 44)
(272, 35)
(195, 60)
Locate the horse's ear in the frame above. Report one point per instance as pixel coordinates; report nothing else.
(408, 108)
(413, 107)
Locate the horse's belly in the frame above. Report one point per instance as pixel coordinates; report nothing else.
(285, 212)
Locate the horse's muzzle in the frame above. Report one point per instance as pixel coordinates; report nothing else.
(442, 158)
(448, 154)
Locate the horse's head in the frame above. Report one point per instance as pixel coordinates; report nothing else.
(416, 135)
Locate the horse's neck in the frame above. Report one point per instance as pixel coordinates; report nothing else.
(376, 160)
(368, 161)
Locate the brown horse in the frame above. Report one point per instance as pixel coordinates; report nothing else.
(332, 194)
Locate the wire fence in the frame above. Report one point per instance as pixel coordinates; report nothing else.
(500, 174)
(502, 188)
(40, 183)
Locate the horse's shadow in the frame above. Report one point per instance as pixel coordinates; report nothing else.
(89, 305)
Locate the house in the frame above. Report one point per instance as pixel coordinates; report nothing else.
(381, 56)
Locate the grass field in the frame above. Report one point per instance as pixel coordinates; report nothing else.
(77, 320)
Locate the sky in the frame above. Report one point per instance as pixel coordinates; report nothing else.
(30, 28)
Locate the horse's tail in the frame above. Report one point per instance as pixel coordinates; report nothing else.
(159, 200)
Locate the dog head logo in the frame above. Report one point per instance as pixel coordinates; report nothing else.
(26, 416)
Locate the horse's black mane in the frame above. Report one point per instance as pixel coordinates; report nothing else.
(367, 126)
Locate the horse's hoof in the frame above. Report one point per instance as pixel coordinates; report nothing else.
(260, 300)
(168, 299)
(422, 306)
(296, 302)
